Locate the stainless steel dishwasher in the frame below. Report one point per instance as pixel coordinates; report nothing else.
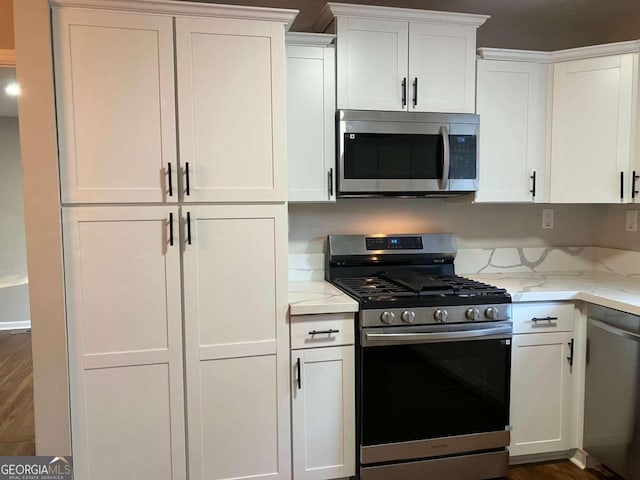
(612, 397)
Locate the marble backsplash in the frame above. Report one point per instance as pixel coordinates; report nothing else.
(304, 267)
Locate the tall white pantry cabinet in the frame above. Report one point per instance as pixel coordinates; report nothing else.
(176, 312)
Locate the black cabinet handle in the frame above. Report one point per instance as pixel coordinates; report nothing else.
(544, 319)
(330, 175)
(570, 357)
(404, 92)
(299, 374)
(171, 228)
(621, 185)
(189, 228)
(170, 180)
(324, 332)
(634, 192)
(186, 172)
(533, 188)
(415, 92)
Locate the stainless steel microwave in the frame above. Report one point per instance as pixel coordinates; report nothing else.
(406, 153)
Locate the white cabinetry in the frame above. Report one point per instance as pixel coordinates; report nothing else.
(512, 104)
(592, 129)
(541, 378)
(116, 106)
(400, 59)
(130, 294)
(236, 341)
(323, 406)
(124, 321)
(311, 110)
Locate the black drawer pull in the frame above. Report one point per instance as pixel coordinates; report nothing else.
(170, 179)
(323, 332)
(171, 228)
(544, 319)
(299, 378)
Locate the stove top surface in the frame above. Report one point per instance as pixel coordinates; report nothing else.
(412, 289)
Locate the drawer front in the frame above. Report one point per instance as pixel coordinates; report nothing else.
(327, 330)
(542, 317)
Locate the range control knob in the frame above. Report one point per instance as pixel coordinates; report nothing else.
(408, 316)
(491, 313)
(440, 315)
(388, 317)
(472, 314)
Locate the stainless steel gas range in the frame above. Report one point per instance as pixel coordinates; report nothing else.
(433, 359)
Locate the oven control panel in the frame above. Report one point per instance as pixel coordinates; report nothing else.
(394, 243)
(435, 315)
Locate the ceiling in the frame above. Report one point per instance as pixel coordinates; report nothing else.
(524, 24)
(8, 105)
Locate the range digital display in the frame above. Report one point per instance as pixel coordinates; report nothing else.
(394, 243)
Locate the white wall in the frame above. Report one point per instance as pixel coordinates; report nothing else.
(610, 231)
(476, 226)
(14, 298)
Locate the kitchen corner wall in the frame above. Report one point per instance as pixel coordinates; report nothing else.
(14, 295)
(475, 225)
(610, 232)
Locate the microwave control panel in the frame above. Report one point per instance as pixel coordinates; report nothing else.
(463, 151)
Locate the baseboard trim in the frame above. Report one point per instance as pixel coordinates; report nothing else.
(21, 325)
(540, 457)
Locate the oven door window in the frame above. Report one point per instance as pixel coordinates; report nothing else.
(374, 156)
(416, 392)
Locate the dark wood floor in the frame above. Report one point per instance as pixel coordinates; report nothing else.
(17, 436)
(558, 470)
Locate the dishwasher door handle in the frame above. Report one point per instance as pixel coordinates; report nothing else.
(615, 330)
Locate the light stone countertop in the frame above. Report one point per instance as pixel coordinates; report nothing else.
(314, 297)
(607, 289)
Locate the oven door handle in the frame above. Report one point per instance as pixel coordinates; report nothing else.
(496, 333)
(446, 158)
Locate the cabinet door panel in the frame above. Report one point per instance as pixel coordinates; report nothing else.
(591, 133)
(372, 62)
(124, 324)
(512, 99)
(235, 335)
(442, 58)
(116, 106)
(540, 393)
(323, 413)
(232, 109)
(311, 109)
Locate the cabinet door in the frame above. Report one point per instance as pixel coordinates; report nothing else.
(231, 109)
(372, 64)
(540, 393)
(116, 106)
(512, 99)
(591, 133)
(124, 325)
(311, 108)
(236, 342)
(442, 68)
(323, 413)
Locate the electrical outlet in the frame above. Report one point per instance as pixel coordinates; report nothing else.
(547, 218)
(632, 221)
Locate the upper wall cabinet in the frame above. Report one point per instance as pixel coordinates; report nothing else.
(593, 118)
(231, 108)
(512, 104)
(311, 108)
(400, 59)
(116, 106)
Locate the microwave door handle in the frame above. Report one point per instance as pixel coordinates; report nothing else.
(446, 158)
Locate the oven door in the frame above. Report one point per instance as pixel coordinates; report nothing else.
(431, 391)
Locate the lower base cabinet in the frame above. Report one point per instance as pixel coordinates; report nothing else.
(323, 412)
(541, 379)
